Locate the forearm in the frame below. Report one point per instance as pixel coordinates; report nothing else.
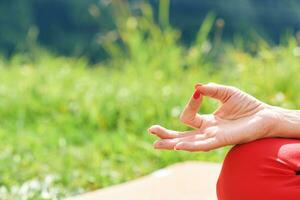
(287, 123)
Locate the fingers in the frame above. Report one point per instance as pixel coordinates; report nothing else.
(199, 145)
(164, 133)
(169, 144)
(192, 141)
(189, 115)
(216, 91)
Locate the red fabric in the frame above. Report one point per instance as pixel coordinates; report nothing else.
(261, 170)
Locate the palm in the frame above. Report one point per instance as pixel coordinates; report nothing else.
(239, 119)
(240, 130)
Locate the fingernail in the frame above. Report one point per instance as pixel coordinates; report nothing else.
(196, 94)
(157, 144)
(150, 131)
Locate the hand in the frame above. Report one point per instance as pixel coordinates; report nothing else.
(240, 118)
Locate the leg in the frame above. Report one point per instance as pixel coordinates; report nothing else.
(264, 169)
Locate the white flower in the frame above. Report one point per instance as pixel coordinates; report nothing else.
(131, 23)
(206, 47)
(296, 51)
(175, 112)
(279, 97)
(166, 90)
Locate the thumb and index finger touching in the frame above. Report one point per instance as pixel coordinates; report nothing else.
(190, 114)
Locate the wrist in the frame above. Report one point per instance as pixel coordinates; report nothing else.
(286, 123)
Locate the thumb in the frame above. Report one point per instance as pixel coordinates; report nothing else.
(217, 91)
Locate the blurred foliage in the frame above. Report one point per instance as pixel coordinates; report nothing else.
(68, 27)
(268, 18)
(67, 126)
(74, 27)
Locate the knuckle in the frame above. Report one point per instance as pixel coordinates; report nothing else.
(191, 106)
(228, 92)
(209, 134)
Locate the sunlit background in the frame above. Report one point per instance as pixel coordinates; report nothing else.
(81, 81)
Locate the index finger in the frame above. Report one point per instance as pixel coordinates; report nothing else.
(190, 114)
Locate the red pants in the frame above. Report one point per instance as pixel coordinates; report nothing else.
(266, 169)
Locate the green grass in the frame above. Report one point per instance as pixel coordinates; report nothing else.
(68, 127)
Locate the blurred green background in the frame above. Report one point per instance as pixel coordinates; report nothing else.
(81, 81)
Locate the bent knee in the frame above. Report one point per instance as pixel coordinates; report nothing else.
(256, 168)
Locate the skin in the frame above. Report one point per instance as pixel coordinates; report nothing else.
(240, 118)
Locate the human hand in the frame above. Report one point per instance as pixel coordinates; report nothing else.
(240, 118)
